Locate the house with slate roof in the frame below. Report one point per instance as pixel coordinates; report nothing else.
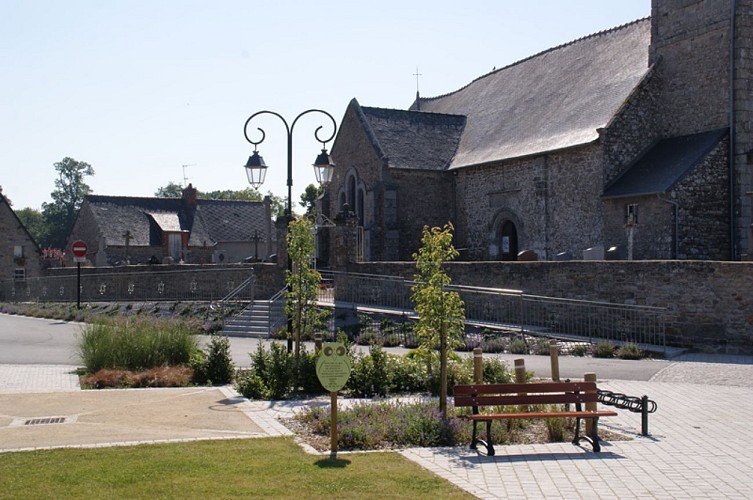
(20, 256)
(121, 229)
(637, 139)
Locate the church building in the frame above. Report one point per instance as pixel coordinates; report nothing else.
(632, 143)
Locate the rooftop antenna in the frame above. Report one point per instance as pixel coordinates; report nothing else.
(185, 178)
(418, 103)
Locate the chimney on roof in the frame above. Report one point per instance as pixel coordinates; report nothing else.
(189, 196)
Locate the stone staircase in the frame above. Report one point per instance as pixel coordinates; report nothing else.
(259, 319)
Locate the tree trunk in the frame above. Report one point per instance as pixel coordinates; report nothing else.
(443, 371)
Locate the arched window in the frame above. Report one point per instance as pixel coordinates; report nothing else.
(352, 192)
(359, 206)
(508, 241)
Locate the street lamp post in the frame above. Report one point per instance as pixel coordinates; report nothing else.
(256, 170)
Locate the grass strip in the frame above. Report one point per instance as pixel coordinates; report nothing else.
(271, 467)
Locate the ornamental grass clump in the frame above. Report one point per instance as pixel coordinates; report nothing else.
(629, 350)
(604, 350)
(136, 344)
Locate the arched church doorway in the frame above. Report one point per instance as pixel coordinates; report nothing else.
(508, 241)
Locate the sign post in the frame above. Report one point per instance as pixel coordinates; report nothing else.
(79, 250)
(333, 371)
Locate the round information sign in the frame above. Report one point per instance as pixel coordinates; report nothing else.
(333, 366)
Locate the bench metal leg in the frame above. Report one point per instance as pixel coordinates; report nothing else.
(488, 443)
(593, 438)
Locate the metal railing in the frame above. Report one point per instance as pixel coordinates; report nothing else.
(197, 284)
(512, 310)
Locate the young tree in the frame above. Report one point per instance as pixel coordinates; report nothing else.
(70, 189)
(440, 311)
(302, 282)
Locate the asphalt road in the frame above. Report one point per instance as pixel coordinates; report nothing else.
(50, 342)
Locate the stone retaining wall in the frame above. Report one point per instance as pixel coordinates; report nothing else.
(709, 304)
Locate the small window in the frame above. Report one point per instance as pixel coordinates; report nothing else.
(18, 252)
(19, 274)
(631, 214)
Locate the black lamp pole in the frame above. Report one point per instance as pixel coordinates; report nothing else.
(256, 171)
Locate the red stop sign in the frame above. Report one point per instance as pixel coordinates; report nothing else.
(79, 248)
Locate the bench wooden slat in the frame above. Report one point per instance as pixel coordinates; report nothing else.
(515, 388)
(525, 399)
(541, 414)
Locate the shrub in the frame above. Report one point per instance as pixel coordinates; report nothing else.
(518, 346)
(496, 372)
(629, 350)
(368, 337)
(271, 375)
(251, 385)
(604, 350)
(495, 344)
(580, 350)
(541, 347)
(306, 376)
(219, 364)
(391, 340)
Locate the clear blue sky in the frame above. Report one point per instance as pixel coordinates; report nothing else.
(140, 88)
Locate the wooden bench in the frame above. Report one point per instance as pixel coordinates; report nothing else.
(544, 393)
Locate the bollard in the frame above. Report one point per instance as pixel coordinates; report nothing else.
(478, 366)
(520, 377)
(644, 416)
(520, 371)
(589, 377)
(554, 353)
(318, 341)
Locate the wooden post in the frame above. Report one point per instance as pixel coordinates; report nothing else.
(554, 357)
(318, 341)
(520, 377)
(520, 371)
(478, 366)
(333, 422)
(589, 377)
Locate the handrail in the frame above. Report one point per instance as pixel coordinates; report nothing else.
(232, 293)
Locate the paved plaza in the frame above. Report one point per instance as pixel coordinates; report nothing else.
(700, 443)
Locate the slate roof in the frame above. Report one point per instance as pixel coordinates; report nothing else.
(412, 140)
(552, 100)
(211, 222)
(665, 164)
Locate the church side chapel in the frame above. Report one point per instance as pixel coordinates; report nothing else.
(631, 143)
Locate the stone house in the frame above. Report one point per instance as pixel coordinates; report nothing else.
(637, 139)
(121, 229)
(20, 256)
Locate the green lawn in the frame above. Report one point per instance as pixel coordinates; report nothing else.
(274, 467)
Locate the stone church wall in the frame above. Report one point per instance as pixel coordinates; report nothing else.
(423, 198)
(553, 201)
(709, 305)
(690, 44)
(704, 220)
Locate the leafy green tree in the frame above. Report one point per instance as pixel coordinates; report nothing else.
(309, 197)
(302, 282)
(174, 190)
(440, 311)
(33, 221)
(70, 190)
